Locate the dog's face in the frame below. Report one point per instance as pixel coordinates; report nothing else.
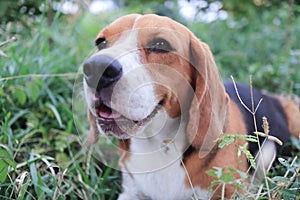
(142, 72)
(127, 81)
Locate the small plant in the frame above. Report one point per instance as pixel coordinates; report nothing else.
(227, 139)
(227, 177)
(287, 186)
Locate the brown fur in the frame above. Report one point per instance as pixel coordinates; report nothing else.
(209, 106)
(92, 137)
(224, 158)
(292, 113)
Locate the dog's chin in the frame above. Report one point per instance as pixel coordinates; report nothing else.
(112, 123)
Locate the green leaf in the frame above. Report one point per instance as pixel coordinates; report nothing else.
(226, 141)
(281, 179)
(20, 95)
(33, 90)
(227, 177)
(251, 138)
(285, 163)
(39, 186)
(83, 175)
(62, 158)
(56, 114)
(16, 116)
(212, 173)
(4, 155)
(212, 184)
(290, 194)
(248, 154)
(69, 126)
(3, 171)
(43, 187)
(33, 171)
(232, 170)
(5, 162)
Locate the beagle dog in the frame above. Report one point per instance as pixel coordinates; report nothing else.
(154, 86)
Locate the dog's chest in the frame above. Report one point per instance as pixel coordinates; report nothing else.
(168, 183)
(155, 167)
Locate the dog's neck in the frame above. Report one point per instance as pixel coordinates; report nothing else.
(155, 149)
(160, 132)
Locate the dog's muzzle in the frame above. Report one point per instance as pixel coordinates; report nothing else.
(101, 74)
(101, 71)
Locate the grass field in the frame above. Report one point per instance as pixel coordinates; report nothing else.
(42, 154)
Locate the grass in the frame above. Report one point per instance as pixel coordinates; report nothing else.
(37, 129)
(39, 143)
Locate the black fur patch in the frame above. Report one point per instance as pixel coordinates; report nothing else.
(270, 107)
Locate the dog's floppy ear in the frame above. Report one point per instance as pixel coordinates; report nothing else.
(92, 137)
(207, 113)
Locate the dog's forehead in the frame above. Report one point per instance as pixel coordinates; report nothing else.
(155, 21)
(118, 26)
(143, 24)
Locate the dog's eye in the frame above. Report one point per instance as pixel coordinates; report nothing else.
(101, 43)
(159, 45)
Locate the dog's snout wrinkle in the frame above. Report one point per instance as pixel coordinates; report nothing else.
(101, 71)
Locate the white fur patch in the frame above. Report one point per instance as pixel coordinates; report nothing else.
(154, 164)
(165, 184)
(264, 160)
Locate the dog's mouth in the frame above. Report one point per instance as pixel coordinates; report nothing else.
(114, 123)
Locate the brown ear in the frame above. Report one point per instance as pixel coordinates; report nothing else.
(208, 109)
(92, 137)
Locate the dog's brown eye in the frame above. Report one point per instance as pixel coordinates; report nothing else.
(159, 45)
(101, 43)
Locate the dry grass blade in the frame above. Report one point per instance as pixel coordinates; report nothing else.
(38, 76)
(253, 112)
(60, 180)
(269, 137)
(13, 38)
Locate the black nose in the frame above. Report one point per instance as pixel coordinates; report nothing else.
(101, 71)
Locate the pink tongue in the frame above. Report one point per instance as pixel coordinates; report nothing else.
(106, 112)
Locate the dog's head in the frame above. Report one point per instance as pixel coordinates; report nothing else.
(147, 65)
